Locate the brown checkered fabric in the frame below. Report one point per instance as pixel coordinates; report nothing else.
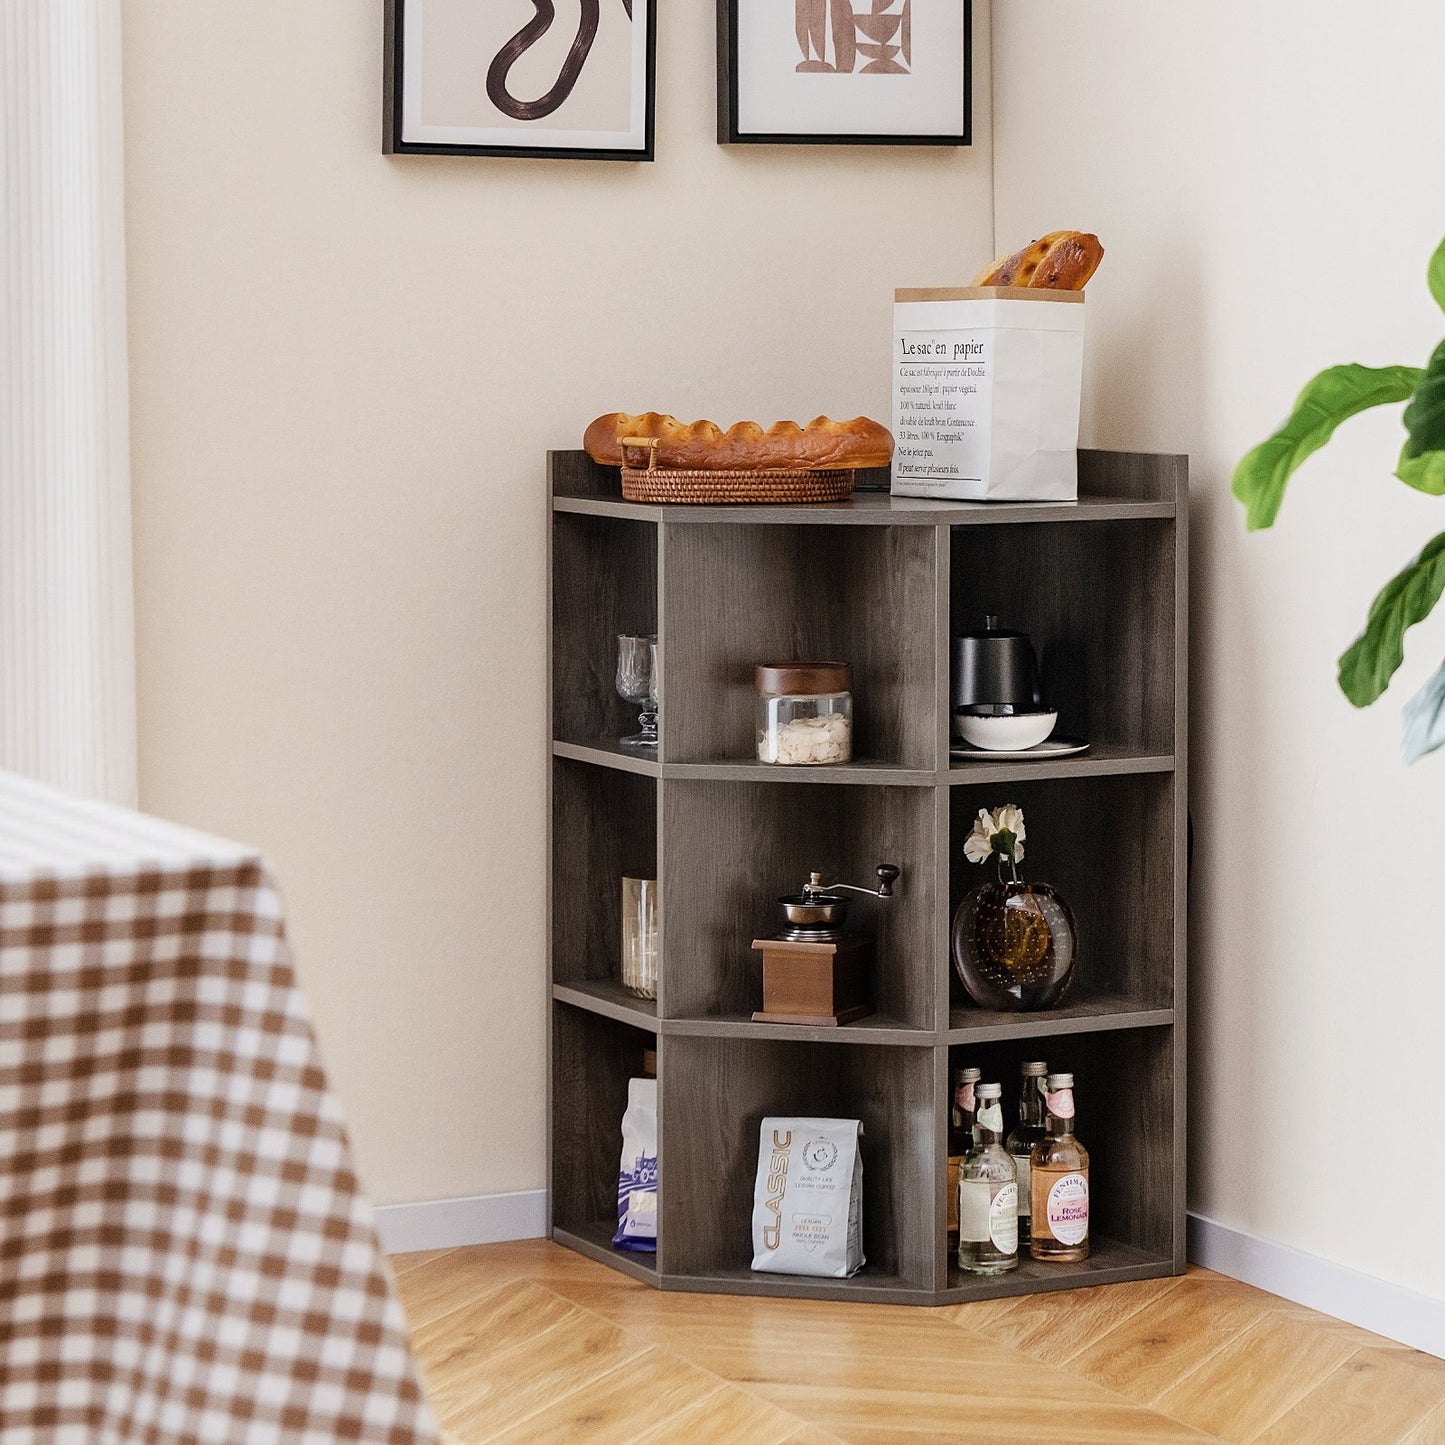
(184, 1253)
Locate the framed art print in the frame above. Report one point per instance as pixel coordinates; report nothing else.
(867, 72)
(566, 78)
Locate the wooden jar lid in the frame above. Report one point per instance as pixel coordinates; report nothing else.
(806, 678)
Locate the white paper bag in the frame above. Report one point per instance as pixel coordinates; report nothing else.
(808, 1200)
(986, 389)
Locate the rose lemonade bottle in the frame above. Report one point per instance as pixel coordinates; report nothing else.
(1059, 1180)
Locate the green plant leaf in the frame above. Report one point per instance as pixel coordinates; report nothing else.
(1371, 660)
(1422, 462)
(1425, 719)
(1333, 396)
(1437, 275)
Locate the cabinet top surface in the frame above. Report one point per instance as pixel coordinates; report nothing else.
(1113, 486)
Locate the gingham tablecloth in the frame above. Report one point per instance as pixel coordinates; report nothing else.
(184, 1253)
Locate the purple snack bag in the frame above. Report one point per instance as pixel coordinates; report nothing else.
(637, 1178)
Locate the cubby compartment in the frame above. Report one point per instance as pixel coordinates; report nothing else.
(1124, 1090)
(1107, 845)
(604, 825)
(1097, 599)
(595, 1059)
(604, 582)
(737, 596)
(719, 1090)
(733, 848)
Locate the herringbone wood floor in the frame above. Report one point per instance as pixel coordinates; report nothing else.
(529, 1342)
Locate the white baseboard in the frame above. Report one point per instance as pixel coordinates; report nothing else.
(1360, 1299)
(453, 1223)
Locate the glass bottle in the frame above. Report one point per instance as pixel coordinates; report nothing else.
(960, 1136)
(988, 1209)
(1059, 1181)
(1027, 1133)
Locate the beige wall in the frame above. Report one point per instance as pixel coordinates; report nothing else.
(345, 371)
(1265, 178)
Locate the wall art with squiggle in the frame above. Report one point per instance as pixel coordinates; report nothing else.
(535, 77)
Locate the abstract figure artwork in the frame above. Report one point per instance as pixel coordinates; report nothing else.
(852, 72)
(499, 77)
(834, 37)
(524, 40)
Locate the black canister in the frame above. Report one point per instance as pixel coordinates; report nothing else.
(995, 672)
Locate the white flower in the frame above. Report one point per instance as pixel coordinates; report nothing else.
(1010, 819)
(985, 839)
(977, 847)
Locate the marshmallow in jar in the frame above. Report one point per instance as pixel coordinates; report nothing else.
(805, 713)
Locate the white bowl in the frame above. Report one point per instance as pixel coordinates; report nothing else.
(1010, 734)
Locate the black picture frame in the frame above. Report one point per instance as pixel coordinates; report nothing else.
(727, 96)
(393, 111)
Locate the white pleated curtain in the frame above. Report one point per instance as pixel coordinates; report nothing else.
(67, 653)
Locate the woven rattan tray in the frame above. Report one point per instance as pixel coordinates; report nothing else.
(692, 488)
(696, 487)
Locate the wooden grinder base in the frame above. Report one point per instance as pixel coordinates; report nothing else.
(821, 984)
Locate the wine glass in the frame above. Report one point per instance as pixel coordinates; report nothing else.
(637, 682)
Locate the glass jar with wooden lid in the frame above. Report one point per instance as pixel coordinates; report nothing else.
(805, 713)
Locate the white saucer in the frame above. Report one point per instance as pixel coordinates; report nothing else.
(1049, 748)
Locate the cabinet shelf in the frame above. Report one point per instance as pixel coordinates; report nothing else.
(1109, 1262)
(607, 753)
(863, 1288)
(883, 583)
(875, 1029)
(1104, 760)
(594, 1239)
(875, 509)
(608, 998)
(1085, 1016)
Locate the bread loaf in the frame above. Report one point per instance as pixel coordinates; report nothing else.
(1060, 261)
(1018, 269)
(822, 445)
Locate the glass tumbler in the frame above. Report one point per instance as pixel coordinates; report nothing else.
(639, 937)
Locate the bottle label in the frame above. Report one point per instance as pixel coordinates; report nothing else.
(1003, 1219)
(1061, 1103)
(991, 1117)
(963, 1098)
(974, 1201)
(1021, 1165)
(1068, 1209)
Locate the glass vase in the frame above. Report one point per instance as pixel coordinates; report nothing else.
(639, 937)
(1015, 945)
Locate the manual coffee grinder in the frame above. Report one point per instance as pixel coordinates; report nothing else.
(814, 971)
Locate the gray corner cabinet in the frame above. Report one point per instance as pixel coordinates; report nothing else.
(883, 583)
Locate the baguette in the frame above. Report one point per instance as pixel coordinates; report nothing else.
(821, 446)
(1060, 261)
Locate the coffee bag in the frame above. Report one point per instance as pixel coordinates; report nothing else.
(808, 1200)
(637, 1177)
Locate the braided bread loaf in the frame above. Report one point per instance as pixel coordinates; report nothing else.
(822, 445)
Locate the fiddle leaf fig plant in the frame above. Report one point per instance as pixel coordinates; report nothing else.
(1260, 479)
